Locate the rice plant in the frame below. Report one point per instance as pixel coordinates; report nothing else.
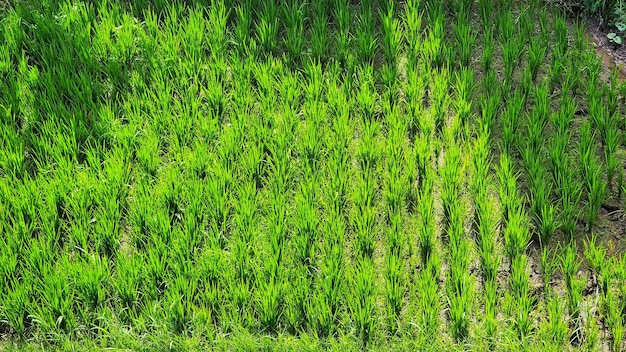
(486, 9)
(362, 304)
(536, 55)
(242, 28)
(294, 24)
(365, 34)
(574, 293)
(464, 88)
(488, 49)
(392, 35)
(319, 34)
(267, 27)
(413, 28)
(465, 38)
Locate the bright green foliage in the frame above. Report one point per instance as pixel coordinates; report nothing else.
(307, 175)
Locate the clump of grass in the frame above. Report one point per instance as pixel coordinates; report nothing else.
(595, 186)
(413, 29)
(362, 303)
(465, 39)
(434, 44)
(242, 28)
(294, 23)
(536, 55)
(392, 35)
(267, 27)
(464, 88)
(511, 121)
(574, 286)
(319, 33)
(365, 34)
(596, 256)
(343, 18)
(486, 11)
(440, 99)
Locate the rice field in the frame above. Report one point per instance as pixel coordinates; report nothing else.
(308, 175)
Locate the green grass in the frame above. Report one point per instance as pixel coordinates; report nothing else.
(295, 175)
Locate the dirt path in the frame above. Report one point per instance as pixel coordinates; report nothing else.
(612, 56)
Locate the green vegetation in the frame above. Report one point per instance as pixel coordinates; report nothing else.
(307, 175)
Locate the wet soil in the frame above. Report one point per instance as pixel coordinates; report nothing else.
(613, 56)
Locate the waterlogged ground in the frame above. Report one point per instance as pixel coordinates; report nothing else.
(300, 176)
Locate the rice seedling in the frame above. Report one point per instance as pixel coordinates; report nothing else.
(451, 188)
(459, 309)
(536, 55)
(217, 32)
(434, 46)
(242, 29)
(465, 38)
(392, 35)
(507, 187)
(506, 26)
(440, 99)
(429, 300)
(367, 41)
(557, 67)
(426, 230)
(560, 33)
(509, 53)
(413, 29)
(516, 234)
(596, 191)
(548, 268)
(511, 121)
(524, 301)
(611, 145)
(596, 256)
(464, 88)
(362, 304)
(526, 25)
(574, 288)
(415, 93)
(488, 49)
(343, 37)
(267, 27)
(394, 290)
(489, 112)
(557, 327)
(294, 24)
(614, 320)
(486, 10)
(319, 34)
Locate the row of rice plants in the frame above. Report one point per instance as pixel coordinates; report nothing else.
(331, 278)
(395, 193)
(364, 212)
(608, 276)
(485, 223)
(427, 281)
(520, 302)
(459, 282)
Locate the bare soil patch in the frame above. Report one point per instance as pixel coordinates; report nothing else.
(613, 56)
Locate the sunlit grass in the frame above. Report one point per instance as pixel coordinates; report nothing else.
(302, 175)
